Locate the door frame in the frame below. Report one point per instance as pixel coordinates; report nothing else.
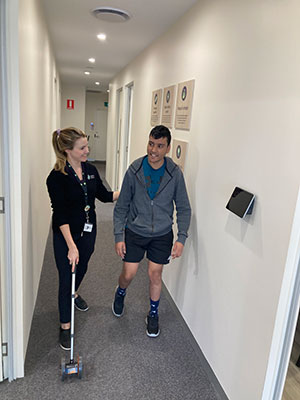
(128, 123)
(9, 43)
(3, 368)
(286, 317)
(119, 119)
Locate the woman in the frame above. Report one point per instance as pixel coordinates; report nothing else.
(73, 185)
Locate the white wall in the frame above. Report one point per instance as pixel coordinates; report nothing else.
(75, 117)
(244, 132)
(39, 102)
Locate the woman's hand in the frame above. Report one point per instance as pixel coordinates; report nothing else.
(73, 256)
(73, 253)
(116, 195)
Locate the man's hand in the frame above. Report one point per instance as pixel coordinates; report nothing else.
(120, 249)
(177, 250)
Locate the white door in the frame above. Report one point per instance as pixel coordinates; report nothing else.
(3, 368)
(118, 137)
(90, 134)
(100, 135)
(97, 135)
(11, 361)
(1, 206)
(96, 124)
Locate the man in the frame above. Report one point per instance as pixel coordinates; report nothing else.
(143, 218)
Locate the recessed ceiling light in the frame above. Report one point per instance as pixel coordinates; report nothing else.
(107, 90)
(92, 60)
(101, 36)
(97, 83)
(87, 72)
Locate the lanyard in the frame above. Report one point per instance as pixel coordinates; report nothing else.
(84, 188)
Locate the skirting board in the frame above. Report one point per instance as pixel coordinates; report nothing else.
(209, 372)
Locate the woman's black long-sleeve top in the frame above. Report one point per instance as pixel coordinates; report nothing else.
(68, 200)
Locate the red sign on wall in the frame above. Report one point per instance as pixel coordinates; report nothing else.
(70, 104)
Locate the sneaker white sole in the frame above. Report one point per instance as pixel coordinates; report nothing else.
(64, 348)
(151, 334)
(81, 309)
(113, 311)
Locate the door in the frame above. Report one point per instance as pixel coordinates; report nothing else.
(100, 135)
(11, 325)
(97, 135)
(118, 137)
(96, 124)
(3, 368)
(286, 318)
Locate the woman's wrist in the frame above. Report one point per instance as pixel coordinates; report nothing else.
(116, 195)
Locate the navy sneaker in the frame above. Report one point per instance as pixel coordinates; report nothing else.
(65, 339)
(81, 304)
(118, 304)
(152, 325)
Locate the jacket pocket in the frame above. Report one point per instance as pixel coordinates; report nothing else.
(141, 221)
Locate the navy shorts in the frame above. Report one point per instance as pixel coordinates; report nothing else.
(158, 248)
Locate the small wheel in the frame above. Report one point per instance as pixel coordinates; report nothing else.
(80, 367)
(63, 369)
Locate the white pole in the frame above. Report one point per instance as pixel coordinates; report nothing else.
(72, 314)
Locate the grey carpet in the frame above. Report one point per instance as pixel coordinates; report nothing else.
(120, 361)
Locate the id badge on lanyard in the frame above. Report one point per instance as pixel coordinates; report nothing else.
(88, 227)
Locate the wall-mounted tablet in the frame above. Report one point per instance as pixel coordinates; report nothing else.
(241, 202)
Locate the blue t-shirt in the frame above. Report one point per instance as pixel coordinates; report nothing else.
(153, 177)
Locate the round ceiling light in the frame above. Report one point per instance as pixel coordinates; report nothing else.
(111, 14)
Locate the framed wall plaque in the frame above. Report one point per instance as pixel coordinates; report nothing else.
(168, 106)
(184, 104)
(179, 150)
(156, 107)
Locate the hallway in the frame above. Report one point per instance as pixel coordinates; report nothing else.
(120, 361)
(241, 60)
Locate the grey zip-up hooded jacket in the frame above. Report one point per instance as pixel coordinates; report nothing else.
(146, 217)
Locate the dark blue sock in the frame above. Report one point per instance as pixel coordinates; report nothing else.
(121, 291)
(153, 307)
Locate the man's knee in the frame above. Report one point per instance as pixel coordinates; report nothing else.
(155, 276)
(128, 276)
(129, 271)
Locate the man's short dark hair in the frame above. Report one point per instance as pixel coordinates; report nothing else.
(161, 131)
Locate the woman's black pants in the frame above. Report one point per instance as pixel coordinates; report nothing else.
(85, 245)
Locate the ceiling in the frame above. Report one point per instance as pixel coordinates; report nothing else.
(73, 31)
